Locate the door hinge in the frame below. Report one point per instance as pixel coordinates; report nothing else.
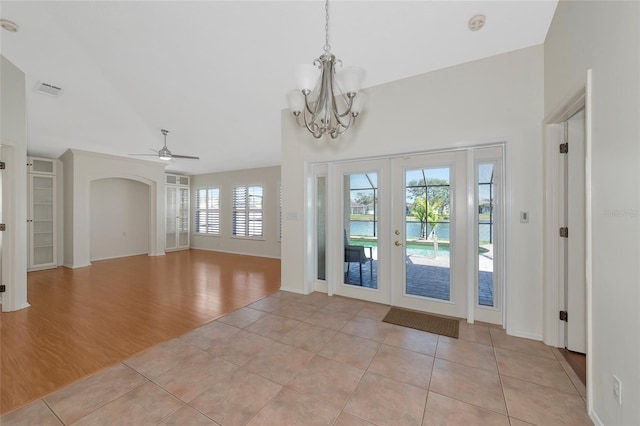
(3, 227)
(564, 232)
(2, 165)
(564, 316)
(564, 148)
(3, 288)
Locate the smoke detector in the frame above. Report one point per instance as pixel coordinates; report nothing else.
(9, 25)
(47, 89)
(477, 22)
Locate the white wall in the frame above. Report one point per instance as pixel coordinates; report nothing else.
(605, 36)
(494, 99)
(81, 168)
(268, 246)
(119, 218)
(13, 137)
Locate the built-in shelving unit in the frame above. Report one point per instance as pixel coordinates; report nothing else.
(41, 221)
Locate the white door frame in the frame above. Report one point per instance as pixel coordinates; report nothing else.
(553, 272)
(14, 210)
(575, 335)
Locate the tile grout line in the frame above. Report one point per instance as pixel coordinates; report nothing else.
(433, 365)
(566, 367)
(43, 398)
(465, 402)
(52, 411)
(115, 399)
(535, 383)
(504, 398)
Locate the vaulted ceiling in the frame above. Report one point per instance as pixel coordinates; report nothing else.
(215, 73)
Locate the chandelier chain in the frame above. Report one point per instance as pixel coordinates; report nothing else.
(327, 46)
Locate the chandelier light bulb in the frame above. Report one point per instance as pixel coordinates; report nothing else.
(307, 76)
(295, 99)
(358, 103)
(350, 79)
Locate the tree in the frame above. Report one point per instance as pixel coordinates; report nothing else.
(363, 198)
(435, 190)
(426, 213)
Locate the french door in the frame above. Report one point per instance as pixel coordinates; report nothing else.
(429, 233)
(422, 232)
(362, 190)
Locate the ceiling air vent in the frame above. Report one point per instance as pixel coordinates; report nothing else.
(47, 89)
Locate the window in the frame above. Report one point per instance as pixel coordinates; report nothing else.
(207, 211)
(247, 211)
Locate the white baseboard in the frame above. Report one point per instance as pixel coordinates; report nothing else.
(595, 419)
(70, 266)
(524, 335)
(22, 306)
(292, 290)
(236, 252)
(321, 287)
(118, 256)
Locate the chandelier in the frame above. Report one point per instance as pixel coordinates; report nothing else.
(326, 102)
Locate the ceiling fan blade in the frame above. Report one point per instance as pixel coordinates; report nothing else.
(146, 155)
(184, 156)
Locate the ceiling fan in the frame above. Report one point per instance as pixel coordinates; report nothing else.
(165, 154)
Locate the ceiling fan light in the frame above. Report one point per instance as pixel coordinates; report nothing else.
(164, 154)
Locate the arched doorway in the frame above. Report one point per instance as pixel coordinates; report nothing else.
(119, 218)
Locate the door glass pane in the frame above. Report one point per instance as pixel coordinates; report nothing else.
(171, 213)
(183, 217)
(321, 226)
(427, 223)
(486, 234)
(360, 234)
(42, 166)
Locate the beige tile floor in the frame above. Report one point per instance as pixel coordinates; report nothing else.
(318, 360)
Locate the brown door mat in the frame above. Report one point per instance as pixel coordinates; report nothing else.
(425, 322)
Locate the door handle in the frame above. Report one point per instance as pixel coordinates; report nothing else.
(398, 244)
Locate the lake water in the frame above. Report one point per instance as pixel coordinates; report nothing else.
(365, 228)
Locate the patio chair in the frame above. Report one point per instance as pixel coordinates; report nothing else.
(353, 253)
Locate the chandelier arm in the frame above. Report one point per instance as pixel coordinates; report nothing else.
(339, 117)
(346, 128)
(340, 122)
(348, 111)
(334, 105)
(307, 104)
(312, 127)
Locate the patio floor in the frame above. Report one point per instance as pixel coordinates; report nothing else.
(428, 277)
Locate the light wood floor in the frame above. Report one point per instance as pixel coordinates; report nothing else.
(84, 320)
